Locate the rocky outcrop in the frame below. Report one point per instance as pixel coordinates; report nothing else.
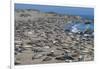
(41, 38)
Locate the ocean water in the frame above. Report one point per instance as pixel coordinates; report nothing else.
(80, 11)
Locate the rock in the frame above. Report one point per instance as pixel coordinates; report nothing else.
(87, 22)
(37, 56)
(84, 38)
(80, 58)
(85, 51)
(47, 47)
(54, 41)
(22, 48)
(70, 33)
(43, 34)
(18, 50)
(51, 54)
(17, 62)
(17, 45)
(60, 49)
(87, 58)
(16, 53)
(60, 58)
(27, 46)
(18, 42)
(37, 50)
(68, 60)
(64, 48)
(69, 57)
(64, 58)
(47, 59)
(86, 35)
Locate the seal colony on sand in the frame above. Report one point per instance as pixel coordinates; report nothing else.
(41, 38)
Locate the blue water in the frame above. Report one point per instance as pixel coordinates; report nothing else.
(80, 11)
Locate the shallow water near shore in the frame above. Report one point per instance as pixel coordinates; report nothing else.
(80, 26)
